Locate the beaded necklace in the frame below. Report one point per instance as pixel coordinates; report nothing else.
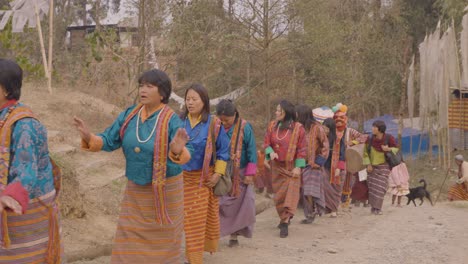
(10, 109)
(152, 132)
(277, 134)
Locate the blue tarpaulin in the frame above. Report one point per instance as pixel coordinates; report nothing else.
(418, 137)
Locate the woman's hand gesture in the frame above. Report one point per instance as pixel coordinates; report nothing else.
(179, 141)
(82, 129)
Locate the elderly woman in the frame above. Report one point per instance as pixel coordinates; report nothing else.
(151, 219)
(201, 174)
(29, 180)
(237, 209)
(285, 146)
(459, 191)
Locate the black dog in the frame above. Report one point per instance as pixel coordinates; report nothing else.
(419, 192)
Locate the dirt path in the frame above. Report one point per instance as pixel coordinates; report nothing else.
(402, 235)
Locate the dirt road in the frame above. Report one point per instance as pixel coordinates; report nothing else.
(402, 235)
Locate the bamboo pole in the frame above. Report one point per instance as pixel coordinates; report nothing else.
(41, 39)
(411, 139)
(439, 144)
(421, 136)
(462, 114)
(51, 42)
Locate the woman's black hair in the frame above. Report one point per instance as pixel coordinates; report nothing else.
(159, 79)
(289, 114)
(226, 107)
(11, 79)
(304, 116)
(203, 93)
(380, 125)
(331, 125)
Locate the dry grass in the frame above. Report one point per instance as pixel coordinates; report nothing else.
(71, 199)
(459, 204)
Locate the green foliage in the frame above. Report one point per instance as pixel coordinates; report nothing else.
(23, 48)
(451, 9)
(97, 40)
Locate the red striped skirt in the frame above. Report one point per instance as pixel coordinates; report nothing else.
(139, 238)
(286, 189)
(34, 235)
(458, 192)
(201, 222)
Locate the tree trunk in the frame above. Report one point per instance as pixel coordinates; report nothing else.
(266, 52)
(142, 32)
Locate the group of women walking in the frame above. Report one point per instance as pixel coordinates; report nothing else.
(173, 164)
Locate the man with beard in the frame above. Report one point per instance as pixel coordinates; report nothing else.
(345, 136)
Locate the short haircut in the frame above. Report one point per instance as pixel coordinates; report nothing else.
(380, 125)
(159, 79)
(11, 78)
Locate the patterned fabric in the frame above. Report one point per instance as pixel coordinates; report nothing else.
(332, 192)
(263, 177)
(237, 135)
(139, 238)
(26, 163)
(289, 144)
(28, 151)
(338, 151)
(246, 156)
(201, 221)
(139, 156)
(347, 185)
(377, 181)
(317, 144)
(34, 235)
(159, 159)
(249, 149)
(458, 192)
(286, 189)
(199, 141)
(312, 184)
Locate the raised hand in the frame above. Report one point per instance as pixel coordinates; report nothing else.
(6, 202)
(178, 142)
(82, 128)
(273, 156)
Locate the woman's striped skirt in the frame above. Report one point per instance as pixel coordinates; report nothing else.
(35, 235)
(201, 218)
(139, 238)
(377, 182)
(286, 189)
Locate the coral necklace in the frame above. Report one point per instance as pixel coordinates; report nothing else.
(277, 134)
